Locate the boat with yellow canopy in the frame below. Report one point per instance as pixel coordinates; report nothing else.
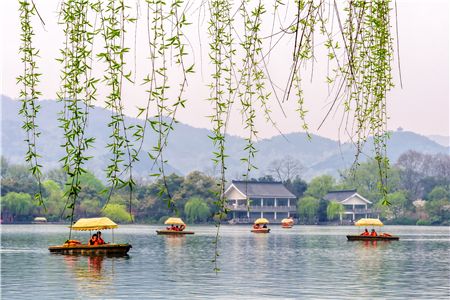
(366, 236)
(287, 223)
(177, 227)
(90, 224)
(257, 228)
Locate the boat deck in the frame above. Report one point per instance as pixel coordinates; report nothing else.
(263, 230)
(106, 249)
(372, 238)
(173, 232)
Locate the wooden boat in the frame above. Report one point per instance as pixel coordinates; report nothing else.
(287, 223)
(261, 230)
(174, 222)
(106, 249)
(89, 224)
(357, 237)
(366, 222)
(257, 226)
(173, 232)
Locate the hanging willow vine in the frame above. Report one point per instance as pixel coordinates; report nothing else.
(29, 93)
(359, 52)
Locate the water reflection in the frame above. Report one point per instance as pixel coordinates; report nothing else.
(302, 263)
(93, 276)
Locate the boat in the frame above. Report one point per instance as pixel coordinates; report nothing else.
(83, 249)
(39, 220)
(287, 223)
(379, 237)
(89, 224)
(177, 227)
(257, 226)
(357, 237)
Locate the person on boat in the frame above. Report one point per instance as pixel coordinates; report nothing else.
(365, 233)
(264, 226)
(182, 227)
(373, 233)
(99, 238)
(94, 240)
(256, 226)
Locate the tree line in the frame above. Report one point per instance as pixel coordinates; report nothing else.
(418, 192)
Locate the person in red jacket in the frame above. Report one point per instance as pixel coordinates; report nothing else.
(373, 233)
(365, 233)
(99, 238)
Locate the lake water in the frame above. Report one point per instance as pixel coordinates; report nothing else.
(306, 262)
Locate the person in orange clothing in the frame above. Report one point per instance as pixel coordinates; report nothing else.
(365, 233)
(373, 233)
(93, 241)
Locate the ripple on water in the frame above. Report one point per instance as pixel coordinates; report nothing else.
(307, 262)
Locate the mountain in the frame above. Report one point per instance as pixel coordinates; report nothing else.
(440, 139)
(191, 149)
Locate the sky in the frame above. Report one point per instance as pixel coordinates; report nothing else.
(421, 105)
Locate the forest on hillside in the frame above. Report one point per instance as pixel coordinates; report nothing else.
(418, 192)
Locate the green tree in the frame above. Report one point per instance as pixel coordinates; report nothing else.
(334, 210)
(297, 186)
(17, 178)
(398, 202)
(196, 185)
(308, 208)
(16, 206)
(196, 210)
(438, 193)
(438, 211)
(366, 180)
(320, 186)
(88, 208)
(55, 199)
(116, 212)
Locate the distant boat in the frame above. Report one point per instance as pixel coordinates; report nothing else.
(257, 228)
(367, 222)
(85, 224)
(287, 223)
(39, 220)
(177, 227)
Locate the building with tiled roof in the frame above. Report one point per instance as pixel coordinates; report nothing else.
(248, 201)
(355, 205)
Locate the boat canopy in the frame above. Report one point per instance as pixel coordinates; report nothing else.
(369, 222)
(287, 221)
(262, 221)
(174, 221)
(94, 224)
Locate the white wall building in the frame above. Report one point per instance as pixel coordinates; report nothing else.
(248, 201)
(356, 206)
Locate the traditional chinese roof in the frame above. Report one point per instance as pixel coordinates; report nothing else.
(253, 189)
(343, 195)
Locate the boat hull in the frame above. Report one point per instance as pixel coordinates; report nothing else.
(173, 232)
(372, 238)
(264, 230)
(287, 226)
(107, 249)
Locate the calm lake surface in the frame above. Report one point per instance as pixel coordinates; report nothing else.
(306, 262)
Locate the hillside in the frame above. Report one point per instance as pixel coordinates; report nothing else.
(191, 149)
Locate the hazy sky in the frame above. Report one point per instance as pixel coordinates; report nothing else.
(421, 106)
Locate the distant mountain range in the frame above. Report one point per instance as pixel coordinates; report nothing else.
(440, 139)
(191, 149)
